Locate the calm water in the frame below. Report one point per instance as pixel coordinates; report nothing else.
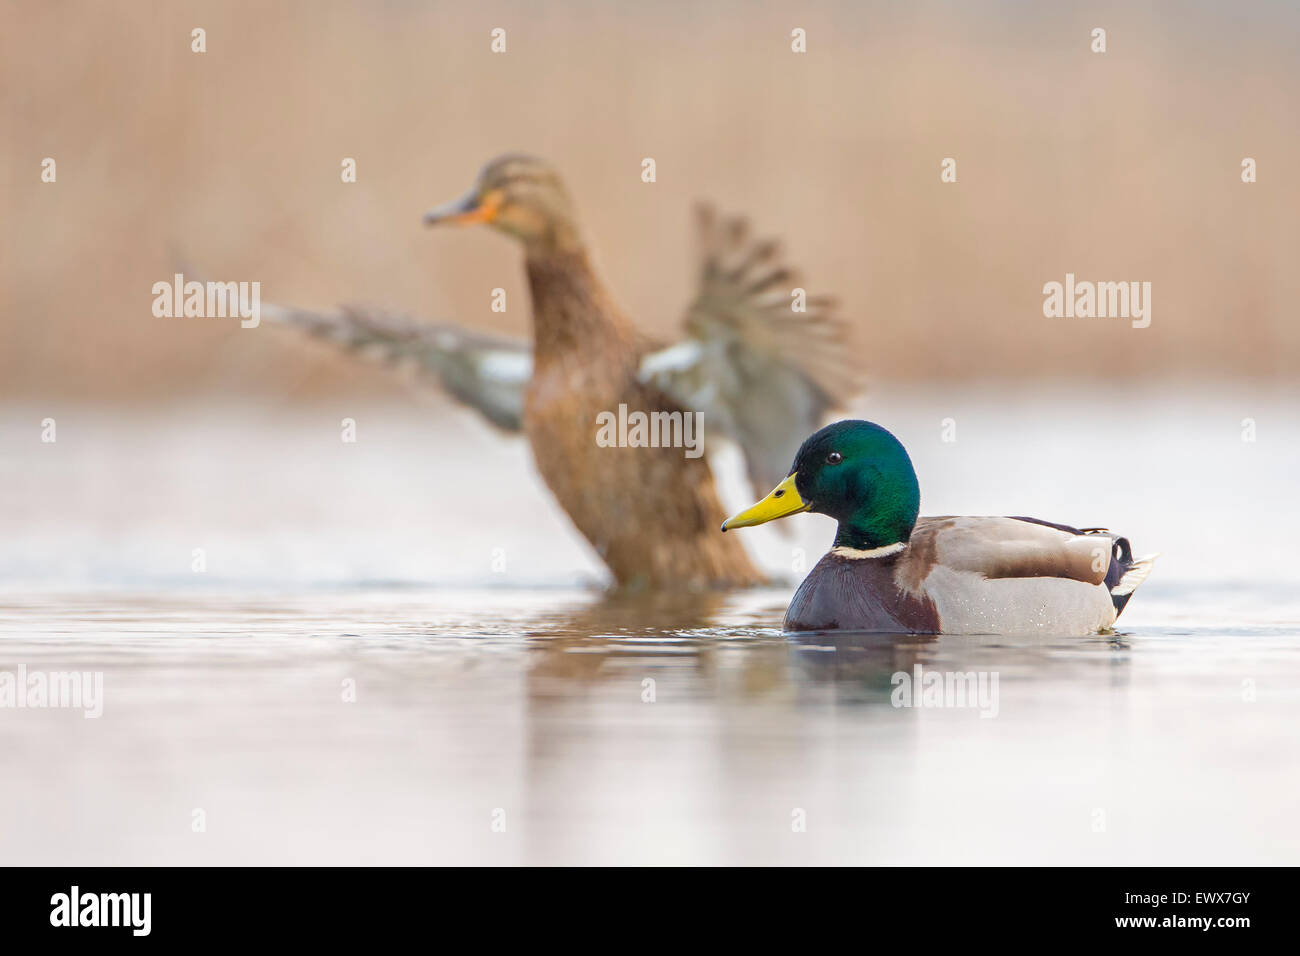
(513, 714)
(534, 703)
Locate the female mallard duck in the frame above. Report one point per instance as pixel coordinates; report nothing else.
(890, 571)
(759, 372)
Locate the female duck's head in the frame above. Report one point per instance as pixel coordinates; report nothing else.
(857, 473)
(521, 196)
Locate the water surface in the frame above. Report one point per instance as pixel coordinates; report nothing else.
(397, 651)
(531, 708)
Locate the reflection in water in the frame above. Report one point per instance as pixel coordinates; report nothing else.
(581, 643)
(633, 728)
(865, 661)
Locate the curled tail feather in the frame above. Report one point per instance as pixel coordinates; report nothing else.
(1131, 573)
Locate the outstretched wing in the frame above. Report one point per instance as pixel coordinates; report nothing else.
(761, 371)
(487, 373)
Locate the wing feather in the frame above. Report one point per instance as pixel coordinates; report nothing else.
(761, 372)
(488, 373)
(1014, 547)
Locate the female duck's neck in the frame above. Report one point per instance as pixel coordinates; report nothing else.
(571, 309)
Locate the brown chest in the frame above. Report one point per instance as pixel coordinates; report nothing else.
(608, 483)
(842, 594)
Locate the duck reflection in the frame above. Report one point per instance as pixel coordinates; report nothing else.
(726, 643)
(648, 719)
(864, 663)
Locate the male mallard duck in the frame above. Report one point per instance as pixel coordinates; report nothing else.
(650, 512)
(890, 571)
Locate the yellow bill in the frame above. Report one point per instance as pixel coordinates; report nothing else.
(783, 500)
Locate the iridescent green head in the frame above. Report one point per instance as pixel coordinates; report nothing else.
(857, 473)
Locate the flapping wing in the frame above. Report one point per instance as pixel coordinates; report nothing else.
(762, 372)
(487, 373)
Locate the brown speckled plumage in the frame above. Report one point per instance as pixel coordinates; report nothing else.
(652, 514)
(760, 372)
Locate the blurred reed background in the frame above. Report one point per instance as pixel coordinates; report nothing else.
(1115, 166)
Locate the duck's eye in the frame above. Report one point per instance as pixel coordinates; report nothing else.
(834, 458)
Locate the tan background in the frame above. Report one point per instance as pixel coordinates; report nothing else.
(1122, 166)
